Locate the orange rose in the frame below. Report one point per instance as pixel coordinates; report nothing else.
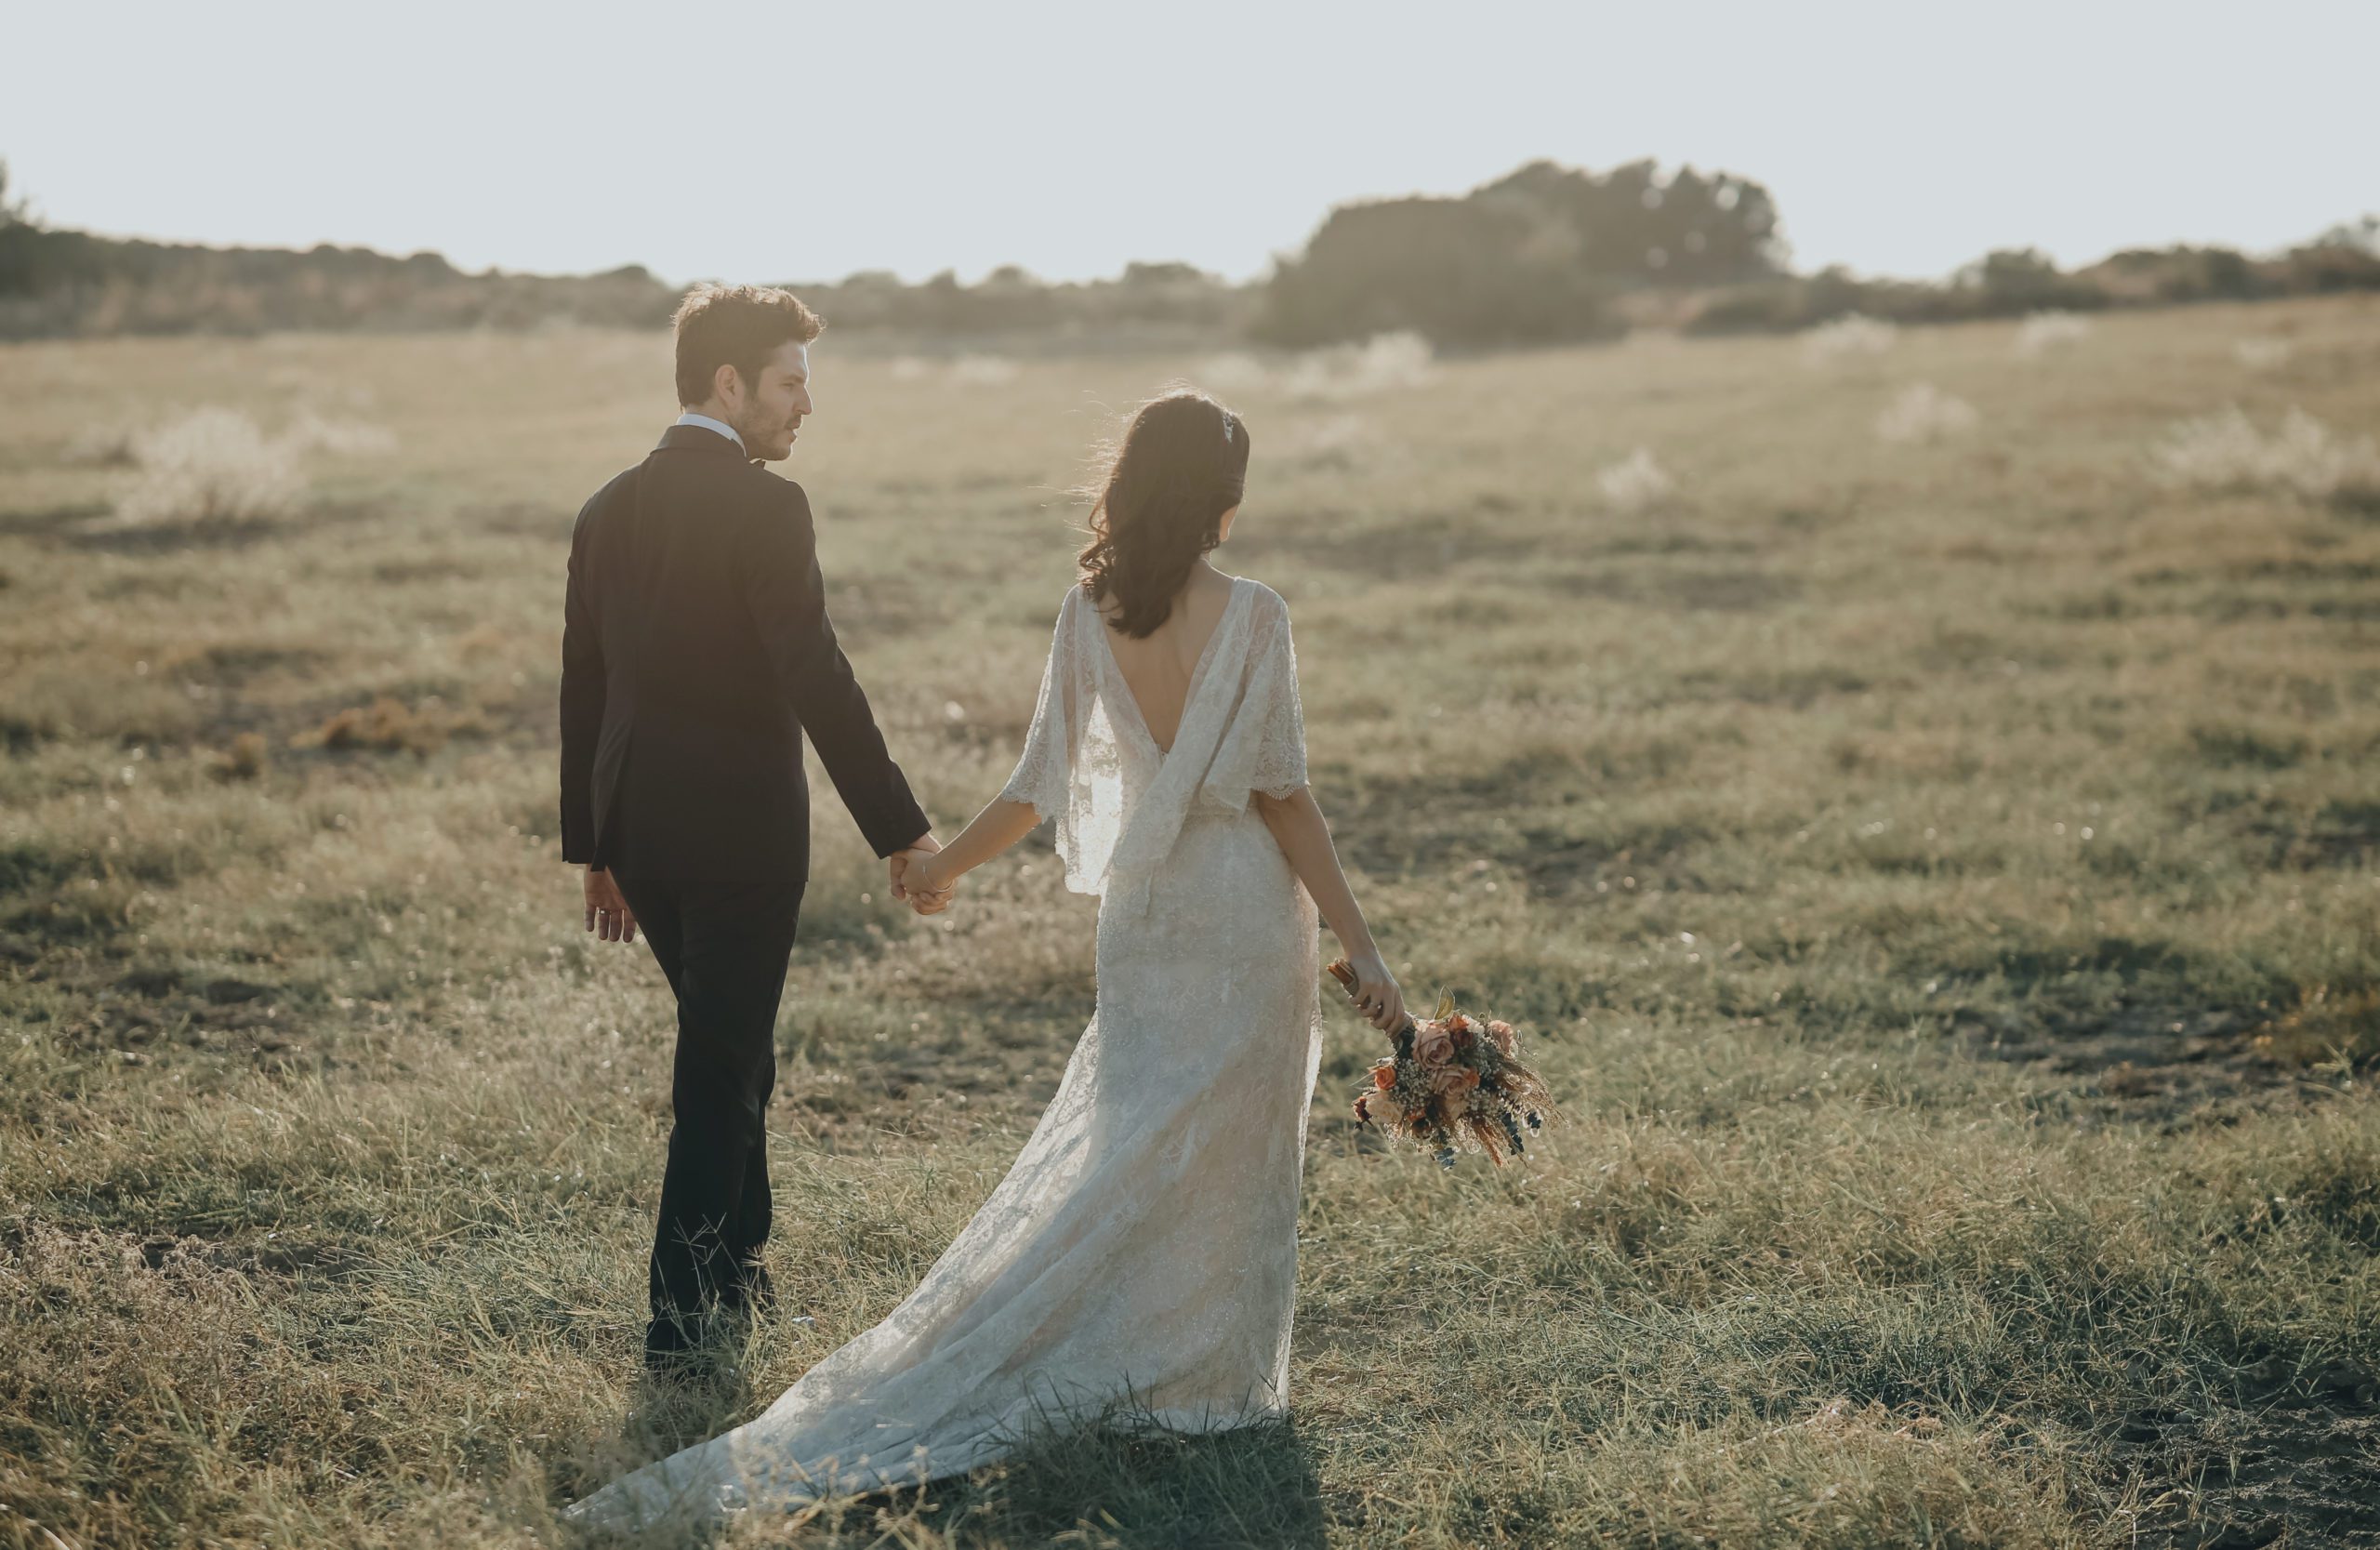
(1385, 1074)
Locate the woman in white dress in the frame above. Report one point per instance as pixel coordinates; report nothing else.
(1139, 1261)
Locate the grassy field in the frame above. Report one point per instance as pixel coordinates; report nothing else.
(1941, 873)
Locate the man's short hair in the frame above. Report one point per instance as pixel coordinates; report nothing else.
(736, 326)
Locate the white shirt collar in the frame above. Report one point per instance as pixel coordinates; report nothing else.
(690, 418)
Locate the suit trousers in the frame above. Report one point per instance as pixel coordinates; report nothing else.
(724, 946)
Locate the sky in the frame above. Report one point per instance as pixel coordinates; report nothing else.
(793, 141)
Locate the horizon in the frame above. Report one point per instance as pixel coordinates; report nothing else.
(2097, 142)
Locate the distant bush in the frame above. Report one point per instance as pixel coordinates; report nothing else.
(1147, 303)
(215, 465)
(2020, 282)
(389, 725)
(2013, 280)
(1790, 304)
(1924, 413)
(1536, 258)
(1636, 484)
(2179, 274)
(2262, 352)
(211, 466)
(2225, 452)
(1457, 273)
(65, 283)
(245, 760)
(1381, 364)
(1852, 334)
(2043, 332)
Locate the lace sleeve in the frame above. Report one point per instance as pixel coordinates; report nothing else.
(1040, 779)
(1264, 749)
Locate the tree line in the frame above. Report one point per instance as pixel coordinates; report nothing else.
(1546, 255)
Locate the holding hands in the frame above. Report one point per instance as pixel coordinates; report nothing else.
(920, 878)
(924, 875)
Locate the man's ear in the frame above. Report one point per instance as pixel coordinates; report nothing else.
(727, 385)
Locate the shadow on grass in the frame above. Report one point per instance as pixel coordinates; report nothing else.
(1252, 1486)
(1132, 1488)
(89, 526)
(668, 1413)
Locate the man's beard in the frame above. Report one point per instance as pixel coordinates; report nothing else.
(771, 440)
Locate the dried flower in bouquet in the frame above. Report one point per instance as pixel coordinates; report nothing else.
(1456, 1081)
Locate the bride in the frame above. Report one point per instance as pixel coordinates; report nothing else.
(1139, 1259)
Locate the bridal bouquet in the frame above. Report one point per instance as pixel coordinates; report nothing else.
(1454, 1081)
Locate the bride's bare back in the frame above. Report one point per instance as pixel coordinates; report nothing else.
(1158, 669)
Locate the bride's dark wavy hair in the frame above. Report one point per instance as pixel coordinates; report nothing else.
(1180, 465)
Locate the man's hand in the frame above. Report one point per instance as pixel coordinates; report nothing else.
(608, 915)
(897, 864)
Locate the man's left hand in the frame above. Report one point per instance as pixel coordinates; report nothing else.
(608, 915)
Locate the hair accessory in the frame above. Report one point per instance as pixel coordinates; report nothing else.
(1226, 428)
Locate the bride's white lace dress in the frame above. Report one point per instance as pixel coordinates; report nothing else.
(1143, 1249)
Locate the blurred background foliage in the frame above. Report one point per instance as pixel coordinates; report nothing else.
(1547, 254)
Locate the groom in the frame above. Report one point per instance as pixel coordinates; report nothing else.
(696, 652)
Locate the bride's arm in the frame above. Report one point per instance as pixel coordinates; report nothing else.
(1297, 822)
(1001, 824)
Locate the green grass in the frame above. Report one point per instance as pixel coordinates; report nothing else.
(1940, 879)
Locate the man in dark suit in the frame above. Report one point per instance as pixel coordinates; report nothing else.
(697, 651)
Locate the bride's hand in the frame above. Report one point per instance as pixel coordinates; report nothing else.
(927, 881)
(1376, 994)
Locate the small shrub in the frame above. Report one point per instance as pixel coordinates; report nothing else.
(245, 760)
(1924, 413)
(2043, 332)
(1332, 374)
(2262, 352)
(1853, 334)
(1638, 483)
(388, 725)
(2225, 452)
(210, 465)
(2325, 1022)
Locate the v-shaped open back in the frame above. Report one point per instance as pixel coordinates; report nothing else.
(1198, 672)
(1119, 800)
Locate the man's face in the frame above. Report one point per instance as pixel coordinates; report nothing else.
(775, 402)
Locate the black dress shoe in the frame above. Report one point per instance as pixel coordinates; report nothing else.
(753, 1292)
(674, 1365)
(680, 1344)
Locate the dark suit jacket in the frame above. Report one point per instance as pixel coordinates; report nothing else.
(696, 650)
